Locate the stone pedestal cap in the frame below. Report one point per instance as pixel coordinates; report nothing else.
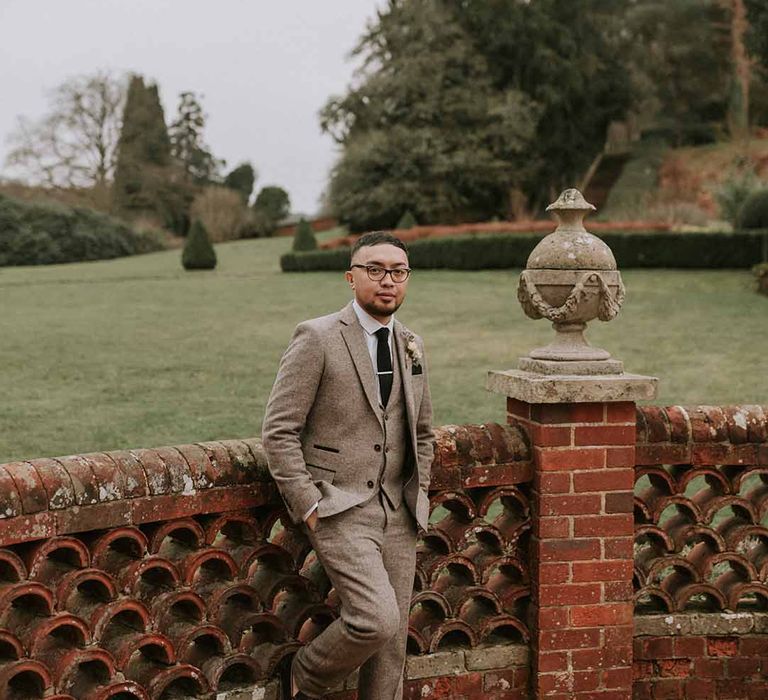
(533, 387)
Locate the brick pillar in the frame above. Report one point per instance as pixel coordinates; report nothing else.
(581, 551)
(582, 435)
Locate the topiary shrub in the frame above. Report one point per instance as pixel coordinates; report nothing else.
(407, 220)
(198, 252)
(754, 211)
(761, 273)
(304, 238)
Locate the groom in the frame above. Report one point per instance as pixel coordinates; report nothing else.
(349, 440)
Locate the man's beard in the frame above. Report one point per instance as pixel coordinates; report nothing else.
(374, 310)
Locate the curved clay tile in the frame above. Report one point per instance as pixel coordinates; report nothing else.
(227, 673)
(206, 566)
(174, 538)
(120, 617)
(149, 577)
(229, 605)
(12, 568)
(699, 597)
(84, 670)
(151, 645)
(181, 678)
(117, 548)
(120, 690)
(177, 607)
(652, 599)
(750, 597)
(48, 560)
(453, 633)
(199, 643)
(84, 591)
(504, 627)
(25, 678)
(22, 600)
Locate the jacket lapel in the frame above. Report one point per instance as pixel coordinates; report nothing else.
(354, 337)
(405, 374)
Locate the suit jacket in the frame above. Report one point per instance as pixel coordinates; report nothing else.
(323, 429)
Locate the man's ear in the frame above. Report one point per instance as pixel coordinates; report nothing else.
(348, 276)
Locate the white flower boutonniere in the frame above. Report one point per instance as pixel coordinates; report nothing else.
(412, 348)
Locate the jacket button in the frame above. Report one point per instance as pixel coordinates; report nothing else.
(377, 448)
(370, 484)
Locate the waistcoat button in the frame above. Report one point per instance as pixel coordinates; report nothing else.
(377, 448)
(370, 484)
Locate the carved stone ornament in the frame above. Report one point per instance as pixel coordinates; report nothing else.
(571, 279)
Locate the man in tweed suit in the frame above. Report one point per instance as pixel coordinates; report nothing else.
(349, 440)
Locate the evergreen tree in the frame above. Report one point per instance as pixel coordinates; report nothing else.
(273, 202)
(241, 179)
(198, 252)
(680, 51)
(424, 129)
(407, 220)
(304, 238)
(757, 35)
(562, 55)
(187, 144)
(144, 181)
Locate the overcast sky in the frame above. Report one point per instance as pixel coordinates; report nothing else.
(263, 67)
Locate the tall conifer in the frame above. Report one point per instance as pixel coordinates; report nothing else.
(143, 153)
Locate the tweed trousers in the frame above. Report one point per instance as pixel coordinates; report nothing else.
(369, 554)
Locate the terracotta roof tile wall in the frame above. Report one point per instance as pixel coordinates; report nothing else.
(701, 509)
(148, 573)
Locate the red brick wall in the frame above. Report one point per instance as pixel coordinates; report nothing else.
(689, 668)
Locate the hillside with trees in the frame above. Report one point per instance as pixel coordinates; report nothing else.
(467, 110)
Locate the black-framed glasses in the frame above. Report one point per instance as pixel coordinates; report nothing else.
(377, 273)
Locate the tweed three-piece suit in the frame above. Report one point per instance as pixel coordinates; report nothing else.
(330, 442)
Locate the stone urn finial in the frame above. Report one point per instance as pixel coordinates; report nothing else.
(570, 279)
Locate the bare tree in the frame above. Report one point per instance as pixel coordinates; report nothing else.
(74, 145)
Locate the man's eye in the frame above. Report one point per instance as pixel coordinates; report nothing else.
(375, 270)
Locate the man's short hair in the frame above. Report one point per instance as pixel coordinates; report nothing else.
(377, 238)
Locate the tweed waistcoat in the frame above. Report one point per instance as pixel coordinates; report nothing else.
(391, 478)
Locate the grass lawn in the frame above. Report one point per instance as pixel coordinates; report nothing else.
(138, 353)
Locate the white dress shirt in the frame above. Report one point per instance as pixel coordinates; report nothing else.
(370, 326)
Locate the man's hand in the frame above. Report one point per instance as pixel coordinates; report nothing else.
(311, 521)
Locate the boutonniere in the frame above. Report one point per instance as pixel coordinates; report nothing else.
(412, 348)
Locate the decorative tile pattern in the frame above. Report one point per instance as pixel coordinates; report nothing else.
(701, 509)
(171, 572)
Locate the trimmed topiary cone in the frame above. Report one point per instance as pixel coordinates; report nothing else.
(304, 239)
(198, 252)
(754, 211)
(407, 220)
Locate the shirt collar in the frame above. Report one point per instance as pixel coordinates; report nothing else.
(370, 325)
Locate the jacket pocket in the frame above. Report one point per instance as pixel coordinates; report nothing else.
(326, 449)
(319, 473)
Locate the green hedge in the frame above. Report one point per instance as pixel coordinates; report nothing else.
(42, 234)
(501, 251)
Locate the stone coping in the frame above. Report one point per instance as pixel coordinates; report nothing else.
(451, 662)
(700, 624)
(564, 388)
(41, 498)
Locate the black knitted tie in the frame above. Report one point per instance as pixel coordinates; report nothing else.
(384, 364)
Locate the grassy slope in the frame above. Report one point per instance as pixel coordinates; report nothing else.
(136, 352)
(700, 171)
